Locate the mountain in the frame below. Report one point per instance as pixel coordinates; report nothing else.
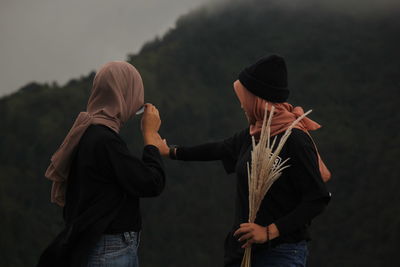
(343, 65)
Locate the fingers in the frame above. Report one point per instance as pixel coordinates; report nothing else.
(248, 243)
(243, 230)
(151, 120)
(150, 108)
(247, 236)
(156, 111)
(246, 231)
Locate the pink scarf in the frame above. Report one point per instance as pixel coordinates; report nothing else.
(116, 95)
(284, 115)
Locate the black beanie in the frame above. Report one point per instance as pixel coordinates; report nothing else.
(267, 78)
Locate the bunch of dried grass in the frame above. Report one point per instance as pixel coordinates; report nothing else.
(266, 168)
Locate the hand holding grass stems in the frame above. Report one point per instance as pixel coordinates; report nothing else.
(266, 168)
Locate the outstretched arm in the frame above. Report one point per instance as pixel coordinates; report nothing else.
(204, 152)
(226, 150)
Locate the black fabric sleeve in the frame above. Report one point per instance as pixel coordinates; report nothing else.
(227, 151)
(138, 177)
(305, 172)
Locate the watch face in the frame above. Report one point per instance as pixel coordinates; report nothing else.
(140, 110)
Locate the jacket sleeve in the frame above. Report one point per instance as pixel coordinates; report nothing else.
(138, 177)
(314, 194)
(226, 150)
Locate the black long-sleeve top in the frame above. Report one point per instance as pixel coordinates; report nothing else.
(103, 191)
(291, 203)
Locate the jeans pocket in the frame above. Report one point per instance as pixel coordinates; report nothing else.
(299, 248)
(116, 245)
(113, 251)
(297, 252)
(285, 249)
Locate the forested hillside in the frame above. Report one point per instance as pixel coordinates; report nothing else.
(344, 67)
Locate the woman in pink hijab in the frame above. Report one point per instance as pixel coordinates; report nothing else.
(280, 233)
(98, 182)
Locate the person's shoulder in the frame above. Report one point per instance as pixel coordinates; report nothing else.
(300, 140)
(96, 133)
(239, 138)
(243, 134)
(239, 135)
(298, 134)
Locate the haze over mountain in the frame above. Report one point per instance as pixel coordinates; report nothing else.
(56, 40)
(50, 41)
(343, 63)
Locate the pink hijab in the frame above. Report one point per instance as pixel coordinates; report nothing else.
(116, 95)
(283, 117)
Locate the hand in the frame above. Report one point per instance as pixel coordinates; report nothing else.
(255, 233)
(164, 148)
(151, 121)
(156, 140)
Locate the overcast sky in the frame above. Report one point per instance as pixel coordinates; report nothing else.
(56, 40)
(47, 40)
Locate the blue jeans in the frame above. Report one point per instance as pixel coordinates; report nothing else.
(283, 255)
(119, 250)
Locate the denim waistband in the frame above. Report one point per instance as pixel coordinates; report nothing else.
(126, 236)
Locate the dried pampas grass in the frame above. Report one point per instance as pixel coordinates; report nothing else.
(266, 167)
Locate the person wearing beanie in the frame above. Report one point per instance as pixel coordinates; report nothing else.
(280, 233)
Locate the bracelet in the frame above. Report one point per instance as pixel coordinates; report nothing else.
(268, 240)
(172, 151)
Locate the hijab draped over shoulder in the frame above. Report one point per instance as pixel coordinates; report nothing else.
(283, 117)
(116, 95)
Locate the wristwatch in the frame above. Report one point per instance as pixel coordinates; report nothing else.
(172, 151)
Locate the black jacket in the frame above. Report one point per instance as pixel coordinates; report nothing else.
(291, 203)
(105, 181)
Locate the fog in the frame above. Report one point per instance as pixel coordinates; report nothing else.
(55, 40)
